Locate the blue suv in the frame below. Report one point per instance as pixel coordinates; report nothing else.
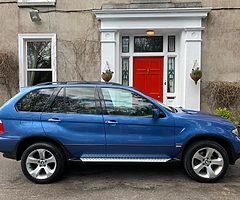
(46, 125)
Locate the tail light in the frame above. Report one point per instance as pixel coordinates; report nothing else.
(1, 128)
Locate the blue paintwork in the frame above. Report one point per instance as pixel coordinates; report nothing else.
(81, 134)
(147, 137)
(90, 136)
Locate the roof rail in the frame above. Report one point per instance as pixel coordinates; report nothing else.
(78, 82)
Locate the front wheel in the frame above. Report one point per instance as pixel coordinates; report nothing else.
(42, 163)
(206, 161)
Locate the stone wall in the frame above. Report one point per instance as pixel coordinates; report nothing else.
(8, 38)
(78, 46)
(221, 50)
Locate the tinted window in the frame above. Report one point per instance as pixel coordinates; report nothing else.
(124, 102)
(35, 101)
(148, 44)
(75, 100)
(58, 105)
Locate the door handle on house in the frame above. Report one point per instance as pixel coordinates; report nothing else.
(54, 120)
(111, 122)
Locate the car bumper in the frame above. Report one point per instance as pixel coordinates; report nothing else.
(235, 150)
(8, 147)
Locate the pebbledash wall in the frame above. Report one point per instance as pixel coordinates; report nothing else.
(85, 35)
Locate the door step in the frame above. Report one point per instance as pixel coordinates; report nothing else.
(147, 160)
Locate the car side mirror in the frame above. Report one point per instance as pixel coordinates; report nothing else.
(155, 113)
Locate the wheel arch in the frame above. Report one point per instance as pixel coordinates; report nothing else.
(220, 140)
(26, 142)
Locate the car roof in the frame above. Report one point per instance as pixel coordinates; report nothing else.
(78, 82)
(74, 83)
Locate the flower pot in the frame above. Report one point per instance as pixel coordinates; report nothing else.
(106, 76)
(196, 76)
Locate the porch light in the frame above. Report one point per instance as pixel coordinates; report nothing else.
(150, 33)
(34, 14)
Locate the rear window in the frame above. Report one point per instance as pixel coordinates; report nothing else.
(75, 100)
(35, 101)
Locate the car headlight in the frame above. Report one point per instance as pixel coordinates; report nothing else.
(235, 131)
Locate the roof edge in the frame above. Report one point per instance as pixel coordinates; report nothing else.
(200, 12)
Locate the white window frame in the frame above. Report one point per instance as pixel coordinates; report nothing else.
(22, 45)
(36, 2)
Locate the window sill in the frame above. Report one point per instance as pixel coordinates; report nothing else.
(33, 3)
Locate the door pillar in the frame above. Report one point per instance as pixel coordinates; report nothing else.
(192, 50)
(109, 52)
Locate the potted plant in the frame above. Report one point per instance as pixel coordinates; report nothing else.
(196, 73)
(107, 75)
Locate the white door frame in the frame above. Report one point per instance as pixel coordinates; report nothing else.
(165, 54)
(187, 21)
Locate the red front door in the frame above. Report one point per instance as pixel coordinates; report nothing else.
(148, 76)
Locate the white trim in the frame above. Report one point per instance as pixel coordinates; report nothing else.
(165, 54)
(39, 70)
(36, 2)
(22, 39)
(194, 29)
(185, 23)
(107, 41)
(192, 40)
(153, 13)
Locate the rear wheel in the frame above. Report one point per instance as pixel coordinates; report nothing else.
(42, 163)
(206, 161)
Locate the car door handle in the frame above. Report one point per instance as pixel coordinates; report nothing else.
(111, 122)
(54, 120)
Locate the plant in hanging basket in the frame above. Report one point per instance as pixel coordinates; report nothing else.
(196, 74)
(107, 75)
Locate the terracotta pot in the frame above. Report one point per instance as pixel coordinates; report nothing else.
(196, 76)
(106, 76)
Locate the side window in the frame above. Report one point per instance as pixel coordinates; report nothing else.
(127, 103)
(58, 105)
(35, 101)
(75, 100)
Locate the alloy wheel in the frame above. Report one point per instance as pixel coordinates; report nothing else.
(207, 163)
(41, 164)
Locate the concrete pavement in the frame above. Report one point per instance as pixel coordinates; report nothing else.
(117, 181)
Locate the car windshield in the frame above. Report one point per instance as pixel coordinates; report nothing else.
(169, 108)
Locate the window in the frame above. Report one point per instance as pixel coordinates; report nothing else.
(35, 101)
(75, 100)
(37, 58)
(125, 71)
(125, 44)
(171, 75)
(36, 2)
(171, 43)
(148, 44)
(127, 103)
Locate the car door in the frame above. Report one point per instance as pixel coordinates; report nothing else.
(131, 131)
(74, 119)
(29, 109)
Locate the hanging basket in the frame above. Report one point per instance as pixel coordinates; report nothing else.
(107, 76)
(196, 75)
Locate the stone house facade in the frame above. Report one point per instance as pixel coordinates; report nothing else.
(76, 40)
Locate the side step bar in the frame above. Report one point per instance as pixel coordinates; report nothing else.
(150, 160)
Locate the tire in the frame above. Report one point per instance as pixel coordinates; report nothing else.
(42, 163)
(206, 161)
